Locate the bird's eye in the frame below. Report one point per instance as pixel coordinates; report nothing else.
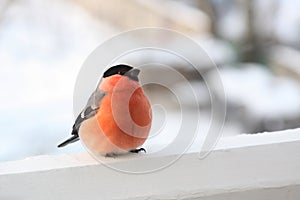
(119, 72)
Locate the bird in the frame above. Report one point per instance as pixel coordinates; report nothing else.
(117, 117)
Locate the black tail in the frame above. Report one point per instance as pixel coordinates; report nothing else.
(72, 139)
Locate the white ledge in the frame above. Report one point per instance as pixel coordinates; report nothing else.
(261, 166)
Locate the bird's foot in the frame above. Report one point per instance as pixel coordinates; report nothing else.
(111, 155)
(137, 150)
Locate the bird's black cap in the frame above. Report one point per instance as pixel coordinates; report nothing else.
(122, 69)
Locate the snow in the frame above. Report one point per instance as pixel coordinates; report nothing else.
(261, 93)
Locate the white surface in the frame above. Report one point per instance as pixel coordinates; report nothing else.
(263, 166)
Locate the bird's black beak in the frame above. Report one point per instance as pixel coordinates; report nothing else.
(133, 74)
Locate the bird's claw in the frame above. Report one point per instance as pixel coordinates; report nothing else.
(137, 150)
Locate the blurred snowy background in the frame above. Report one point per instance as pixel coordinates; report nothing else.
(43, 44)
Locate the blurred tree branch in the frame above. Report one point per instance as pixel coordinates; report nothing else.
(207, 7)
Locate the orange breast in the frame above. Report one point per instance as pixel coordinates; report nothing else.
(125, 118)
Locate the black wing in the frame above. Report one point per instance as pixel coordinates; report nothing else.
(88, 112)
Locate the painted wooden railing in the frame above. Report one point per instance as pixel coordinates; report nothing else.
(260, 166)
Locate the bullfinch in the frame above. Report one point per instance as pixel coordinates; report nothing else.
(117, 117)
